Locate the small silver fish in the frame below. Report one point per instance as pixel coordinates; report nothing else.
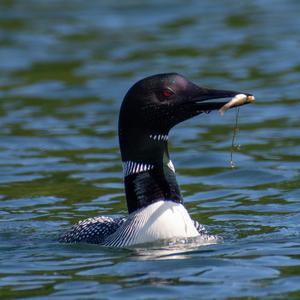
(237, 100)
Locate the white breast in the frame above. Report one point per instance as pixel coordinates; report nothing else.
(157, 221)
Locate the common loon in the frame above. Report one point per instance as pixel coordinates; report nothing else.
(151, 107)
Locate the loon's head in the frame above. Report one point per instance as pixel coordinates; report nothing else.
(154, 105)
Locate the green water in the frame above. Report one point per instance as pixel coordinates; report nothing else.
(65, 67)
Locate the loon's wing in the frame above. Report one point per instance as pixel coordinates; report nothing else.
(200, 228)
(92, 230)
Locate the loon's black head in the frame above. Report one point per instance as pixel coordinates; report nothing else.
(155, 104)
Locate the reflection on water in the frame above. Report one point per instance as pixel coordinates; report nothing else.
(65, 68)
(174, 249)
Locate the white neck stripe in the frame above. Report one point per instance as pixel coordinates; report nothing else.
(159, 137)
(132, 167)
(171, 166)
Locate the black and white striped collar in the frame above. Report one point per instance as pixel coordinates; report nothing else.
(132, 167)
(159, 137)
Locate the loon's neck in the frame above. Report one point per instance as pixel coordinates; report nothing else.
(148, 171)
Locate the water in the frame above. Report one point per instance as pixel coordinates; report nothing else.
(65, 67)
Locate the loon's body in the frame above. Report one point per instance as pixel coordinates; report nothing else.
(161, 220)
(156, 212)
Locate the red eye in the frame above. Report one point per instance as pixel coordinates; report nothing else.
(167, 93)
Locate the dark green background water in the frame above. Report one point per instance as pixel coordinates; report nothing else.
(64, 68)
